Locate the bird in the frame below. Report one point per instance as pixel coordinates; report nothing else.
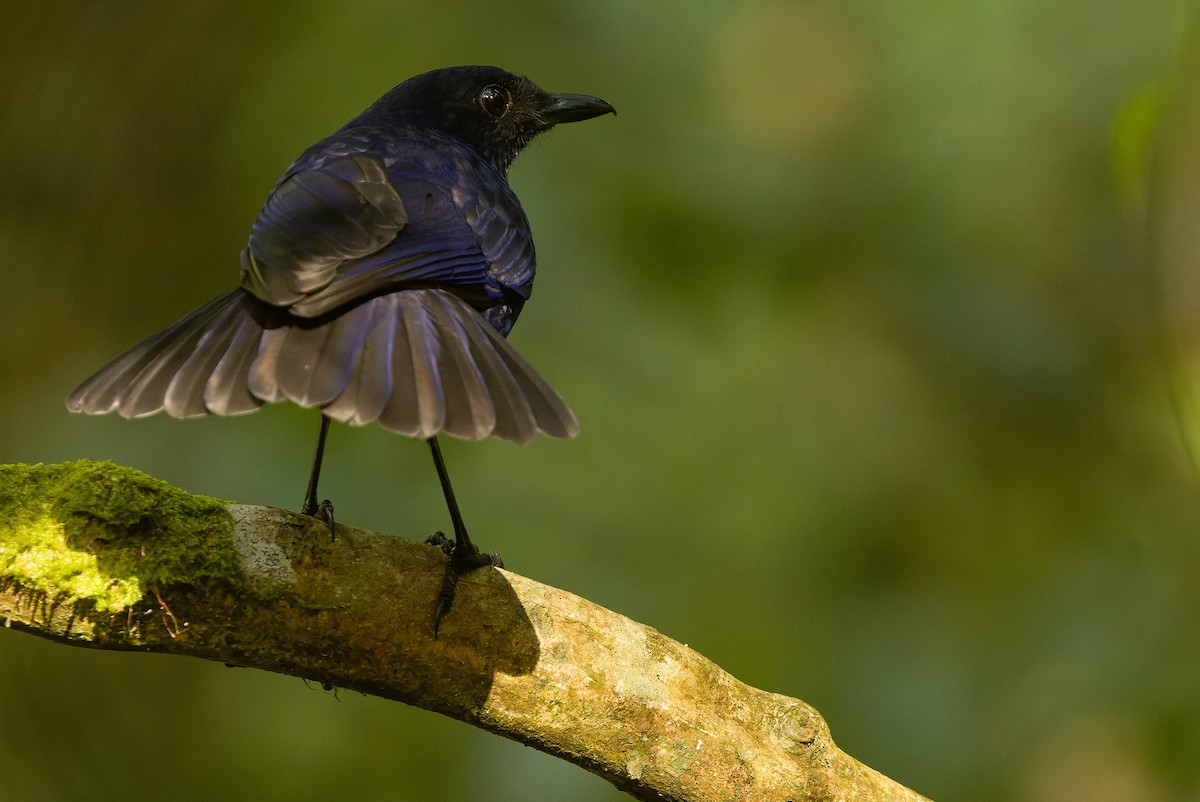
(379, 283)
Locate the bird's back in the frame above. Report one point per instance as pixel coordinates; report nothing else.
(377, 209)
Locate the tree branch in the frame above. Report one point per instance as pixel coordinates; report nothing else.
(97, 555)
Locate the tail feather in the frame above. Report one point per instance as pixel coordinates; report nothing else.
(184, 395)
(551, 413)
(419, 362)
(470, 413)
(133, 383)
(487, 351)
(310, 364)
(428, 368)
(402, 413)
(228, 389)
(370, 384)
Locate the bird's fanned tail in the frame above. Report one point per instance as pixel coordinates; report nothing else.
(420, 362)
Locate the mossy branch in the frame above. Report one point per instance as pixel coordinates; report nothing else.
(98, 555)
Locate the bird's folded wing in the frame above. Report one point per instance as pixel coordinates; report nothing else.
(316, 219)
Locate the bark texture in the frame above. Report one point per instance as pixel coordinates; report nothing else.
(97, 555)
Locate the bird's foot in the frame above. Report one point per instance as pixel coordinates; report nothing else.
(322, 512)
(459, 561)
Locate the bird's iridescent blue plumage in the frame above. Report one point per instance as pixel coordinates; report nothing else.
(380, 278)
(373, 210)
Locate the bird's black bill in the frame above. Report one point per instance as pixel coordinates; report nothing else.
(567, 108)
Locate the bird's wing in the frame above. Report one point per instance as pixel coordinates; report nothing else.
(322, 213)
(345, 224)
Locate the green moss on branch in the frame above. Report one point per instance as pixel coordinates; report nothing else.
(97, 530)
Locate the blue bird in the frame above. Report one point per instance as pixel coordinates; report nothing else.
(380, 280)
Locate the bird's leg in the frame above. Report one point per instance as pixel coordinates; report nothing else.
(323, 510)
(463, 555)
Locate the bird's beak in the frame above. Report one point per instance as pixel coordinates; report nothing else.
(567, 108)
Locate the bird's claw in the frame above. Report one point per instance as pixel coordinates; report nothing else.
(459, 562)
(322, 512)
(440, 540)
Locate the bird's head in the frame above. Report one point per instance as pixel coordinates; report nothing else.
(493, 111)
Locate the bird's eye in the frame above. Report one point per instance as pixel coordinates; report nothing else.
(495, 100)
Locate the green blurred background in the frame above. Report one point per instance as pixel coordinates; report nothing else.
(882, 321)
